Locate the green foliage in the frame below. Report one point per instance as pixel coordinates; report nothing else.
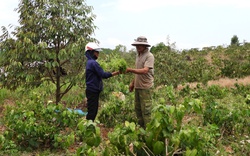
(247, 99)
(213, 117)
(199, 71)
(4, 94)
(27, 125)
(200, 65)
(235, 62)
(227, 117)
(48, 45)
(169, 68)
(7, 146)
(235, 41)
(240, 89)
(124, 135)
(122, 65)
(193, 138)
(216, 91)
(114, 60)
(89, 133)
(190, 121)
(166, 126)
(33, 125)
(115, 111)
(64, 140)
(159, 47)
(115, 64)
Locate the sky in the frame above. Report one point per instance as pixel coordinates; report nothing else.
(185, 23)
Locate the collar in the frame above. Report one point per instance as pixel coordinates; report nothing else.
(144, 52)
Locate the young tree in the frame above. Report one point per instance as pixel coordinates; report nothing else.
(48, 45)
(235, 40)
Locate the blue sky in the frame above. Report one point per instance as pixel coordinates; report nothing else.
(187, 23)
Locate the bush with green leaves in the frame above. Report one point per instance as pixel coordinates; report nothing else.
(116, 111)
(90, 137)
(191, 121)
(124, 136)
(118, 65)
(48, 45)
(34, 124)
(161, 133)
(115, 64)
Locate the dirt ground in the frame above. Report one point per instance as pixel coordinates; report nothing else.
(223, 82)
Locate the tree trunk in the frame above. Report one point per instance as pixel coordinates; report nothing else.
(58, 88)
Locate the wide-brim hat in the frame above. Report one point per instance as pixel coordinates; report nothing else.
(141, 40)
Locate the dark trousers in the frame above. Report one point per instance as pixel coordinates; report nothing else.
(92, 104)
(143, 106)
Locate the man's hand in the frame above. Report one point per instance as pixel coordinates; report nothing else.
(131, 87)
(128, 70)
(116, 73)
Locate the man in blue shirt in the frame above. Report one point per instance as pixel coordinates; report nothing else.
(94, 76)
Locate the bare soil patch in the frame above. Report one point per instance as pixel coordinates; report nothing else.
(223, 82)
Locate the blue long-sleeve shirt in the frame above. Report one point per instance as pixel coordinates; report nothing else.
(94, 75)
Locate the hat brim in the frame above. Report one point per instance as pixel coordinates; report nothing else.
(97, 49)
(141, 43)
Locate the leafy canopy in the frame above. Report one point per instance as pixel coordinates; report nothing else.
(48, 45)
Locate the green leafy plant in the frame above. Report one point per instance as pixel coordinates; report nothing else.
(114, 64)
(34, 125)
(115, 111)
(124, 136)
(48, 45)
